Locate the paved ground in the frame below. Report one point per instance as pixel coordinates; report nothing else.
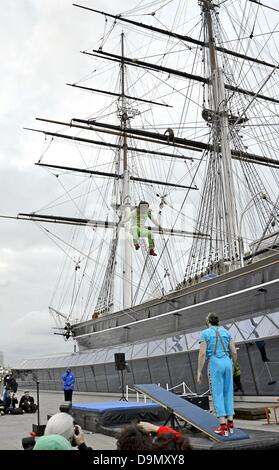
(14, 427)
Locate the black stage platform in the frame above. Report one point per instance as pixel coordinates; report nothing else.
(258, 440)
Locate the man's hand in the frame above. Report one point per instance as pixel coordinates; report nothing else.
(79, 438)
(147, 427)
(160, 229)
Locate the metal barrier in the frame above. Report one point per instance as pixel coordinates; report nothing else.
(186, 391)
(185, 388)
(138, 395)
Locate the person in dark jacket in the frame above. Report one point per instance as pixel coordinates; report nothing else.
(68, 384)
(10, 385)
(10, 382)
(27, 403)
(10, 402)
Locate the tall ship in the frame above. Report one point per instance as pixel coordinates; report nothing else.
(169, 205)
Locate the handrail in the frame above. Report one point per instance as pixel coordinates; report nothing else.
(184, 387)
(186, 391)
(137, 394)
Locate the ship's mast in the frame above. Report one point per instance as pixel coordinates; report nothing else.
(126, 198)
(221, 138)
(216, 234)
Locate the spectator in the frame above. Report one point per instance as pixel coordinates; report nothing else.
(1, 407)
(132, 437)
(54, 442)
(63, 425)
(165, 438)
(147, 436)
(68, 384)
(10, 402)
(236, 378)
(27, 404)
(10, 382)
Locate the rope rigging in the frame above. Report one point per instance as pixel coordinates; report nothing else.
(210, 111)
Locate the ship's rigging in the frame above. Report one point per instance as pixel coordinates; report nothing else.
(216, 90)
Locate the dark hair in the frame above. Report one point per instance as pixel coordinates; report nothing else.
(133, 438)
(142, 203)
(170, 441)
(213, 319)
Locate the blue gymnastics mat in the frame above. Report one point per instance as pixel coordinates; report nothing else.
(101, 407)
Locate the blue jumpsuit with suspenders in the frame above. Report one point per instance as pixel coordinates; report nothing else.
(220, 369)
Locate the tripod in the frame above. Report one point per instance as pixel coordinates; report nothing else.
(38, 429)
(173, 420)
(122, 398)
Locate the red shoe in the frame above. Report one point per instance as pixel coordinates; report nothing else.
(222, 430)
(137, 246)
(152, 252)
(230, 427)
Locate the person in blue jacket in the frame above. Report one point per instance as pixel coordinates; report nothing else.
(217, 346)
(68, 384)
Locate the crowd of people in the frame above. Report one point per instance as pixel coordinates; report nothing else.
(10, 403)
(217, 346)
(63, 433)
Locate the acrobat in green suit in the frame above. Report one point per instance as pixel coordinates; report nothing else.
(138, 219)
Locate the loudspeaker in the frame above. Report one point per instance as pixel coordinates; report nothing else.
(120, 362)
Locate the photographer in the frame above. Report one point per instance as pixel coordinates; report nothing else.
(63, 424)
(27, 403)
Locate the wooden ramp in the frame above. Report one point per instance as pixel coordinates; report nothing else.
(192, 414)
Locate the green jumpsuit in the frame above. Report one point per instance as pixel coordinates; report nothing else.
(138, 219)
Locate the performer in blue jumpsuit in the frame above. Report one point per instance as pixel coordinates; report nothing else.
(217, 346)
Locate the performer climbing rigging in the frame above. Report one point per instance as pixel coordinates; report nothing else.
(138, 218)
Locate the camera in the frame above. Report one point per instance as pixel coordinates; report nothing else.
(76, 433)
(66, 407)
(76, 430)
(28, 443)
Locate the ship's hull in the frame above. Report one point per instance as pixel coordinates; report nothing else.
(160, 338)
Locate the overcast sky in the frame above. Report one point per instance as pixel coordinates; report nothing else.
(40, 43)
